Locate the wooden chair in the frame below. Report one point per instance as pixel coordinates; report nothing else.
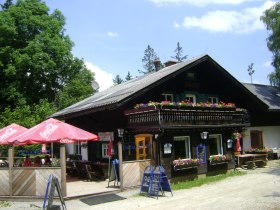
(91, 175)
(81, 170)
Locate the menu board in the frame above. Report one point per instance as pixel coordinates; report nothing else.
(201, 153)
(155, 180)
(146, 179)
(155, 184)
(53, 184)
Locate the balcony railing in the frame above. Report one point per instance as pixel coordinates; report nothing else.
(187, 117)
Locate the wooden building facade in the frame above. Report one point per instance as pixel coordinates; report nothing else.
(163, 115)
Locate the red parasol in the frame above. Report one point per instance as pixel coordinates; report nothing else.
(8, 133)
(53, 130)
(110, 148)
(238, 145)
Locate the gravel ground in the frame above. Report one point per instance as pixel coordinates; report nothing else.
(258, 189)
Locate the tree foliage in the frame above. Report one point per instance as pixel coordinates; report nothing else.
(271, 19)
(179, 53)
(148, 60)
(36, 63)
(128, 76)
(251, 71)
(117, 80)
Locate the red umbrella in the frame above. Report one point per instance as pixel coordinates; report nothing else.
(53, 130)
(9, 132)
(110, 148)
(238, 136)
(238, 146)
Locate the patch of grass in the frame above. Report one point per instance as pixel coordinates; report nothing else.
(5, 204)
(202, 181)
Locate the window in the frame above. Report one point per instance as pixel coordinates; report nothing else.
(215, 144)
(182, 147)
(256, 139)
(191, 98)
(143, 146)
(167, 97)
(213, 100)
(77, 148)
(105, 150)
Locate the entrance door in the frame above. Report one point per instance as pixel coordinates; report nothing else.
(143, 146)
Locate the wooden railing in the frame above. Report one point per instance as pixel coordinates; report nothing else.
(186, 117)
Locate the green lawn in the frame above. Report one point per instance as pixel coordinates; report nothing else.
(202, 181)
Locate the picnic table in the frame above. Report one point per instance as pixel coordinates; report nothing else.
(251, 161)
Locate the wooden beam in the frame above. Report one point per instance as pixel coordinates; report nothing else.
(63, 169)
(120, 164)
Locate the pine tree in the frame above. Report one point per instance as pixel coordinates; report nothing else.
(117, 80)
(179, 51)
(128, 76)
(251, 71)
(148, 60)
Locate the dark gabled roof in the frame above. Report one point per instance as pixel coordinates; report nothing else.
(120, 94)
(267, 94)
(124, 90)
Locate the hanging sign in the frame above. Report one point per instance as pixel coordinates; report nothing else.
(167, 148)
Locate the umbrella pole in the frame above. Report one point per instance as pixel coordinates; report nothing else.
(52, 150)
(109, 171)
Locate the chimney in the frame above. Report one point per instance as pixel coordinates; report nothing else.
(170, 63)
(157, 64)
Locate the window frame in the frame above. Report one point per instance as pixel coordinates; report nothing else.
(187, 145)
(220, 143)
(104, 149)
(166, 95)
(189, 95)
(212, 99)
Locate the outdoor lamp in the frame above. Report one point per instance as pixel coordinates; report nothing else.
(120, 132)
(229, 143)
(203, 135)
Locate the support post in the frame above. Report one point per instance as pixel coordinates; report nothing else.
(120, 164)
(11, 164)
(63, 169)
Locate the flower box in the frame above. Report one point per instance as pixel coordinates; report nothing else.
(219, 159)
(181, 164)
(188, 105)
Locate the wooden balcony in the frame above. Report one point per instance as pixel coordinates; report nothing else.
(164, 117)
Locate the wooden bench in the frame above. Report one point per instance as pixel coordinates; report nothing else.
(260, 163)
(248, 165)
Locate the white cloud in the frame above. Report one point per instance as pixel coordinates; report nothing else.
(112, 34)
(229, 21)
(103, 78)
(198, 2)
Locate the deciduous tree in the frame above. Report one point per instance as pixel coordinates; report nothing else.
(271, 19)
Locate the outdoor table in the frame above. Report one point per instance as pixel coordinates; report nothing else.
(250, 157)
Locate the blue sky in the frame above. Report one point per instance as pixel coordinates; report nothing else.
(112, 35)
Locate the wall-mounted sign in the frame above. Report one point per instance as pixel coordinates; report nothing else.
(201, 153)
(105, 136)
(167, 148)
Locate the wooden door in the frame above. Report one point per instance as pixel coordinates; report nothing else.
(143, 147)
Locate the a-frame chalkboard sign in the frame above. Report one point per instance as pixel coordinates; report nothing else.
(114, 172)
(154, 181)
(146, 179)
(53, 184)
